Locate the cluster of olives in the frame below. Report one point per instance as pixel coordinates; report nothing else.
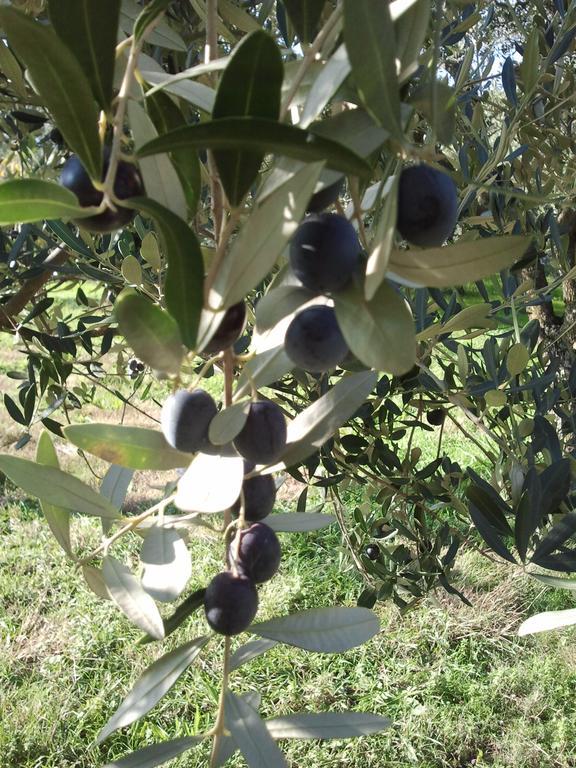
(231, 598)
(230, 603)
(186, 418)
(127, 183)
(324, 255)
(135, 367)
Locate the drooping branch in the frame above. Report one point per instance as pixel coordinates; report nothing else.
(12, 308)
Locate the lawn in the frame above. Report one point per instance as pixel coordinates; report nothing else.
(460, 687)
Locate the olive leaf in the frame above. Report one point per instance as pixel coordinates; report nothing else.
(126, 591)
(90, 30)
(380, 332)
(458, 263)
(58, 518)
(130, 447)
(153, 685)
(61, 82)
(152, 333)
(250, 86)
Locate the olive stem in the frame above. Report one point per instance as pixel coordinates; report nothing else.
(251, 382)
(411, 437)
(118, 125)
(221, 244)
(441, 435)
(228, 376)
(207, 365)
(222, 231)
(436, 50)
(490, 456)
(219, 729)
(210, 54)
(133, 523)
(338, 512)
(309, 57)
(107, 187)
(120, 48)
(515, 320)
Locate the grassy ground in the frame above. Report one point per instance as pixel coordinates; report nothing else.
(460, 687)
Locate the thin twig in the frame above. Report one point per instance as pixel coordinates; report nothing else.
(210, 54)
(219, 729)
(107, 186)
(470, 437)
(133, 523)
(309, 57)
(118, 125)
(476, 420)
(338, 507)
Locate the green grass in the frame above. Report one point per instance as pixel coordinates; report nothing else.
(457, 683)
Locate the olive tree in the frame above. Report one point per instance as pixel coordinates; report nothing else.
(291, 194)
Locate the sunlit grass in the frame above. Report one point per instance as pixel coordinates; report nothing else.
(456, 681)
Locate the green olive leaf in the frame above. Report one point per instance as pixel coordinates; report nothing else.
(458, 263)
(327, 630)
(250, 86)
(379, 332)
(128, 447)
(126, 591)
(31, 200)
(184, 281)
(370, 41)
(151, 332)
(55, 487)
(58, 518)
(167, 564)
(90, 30)
(60, 80)
(257, 134)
